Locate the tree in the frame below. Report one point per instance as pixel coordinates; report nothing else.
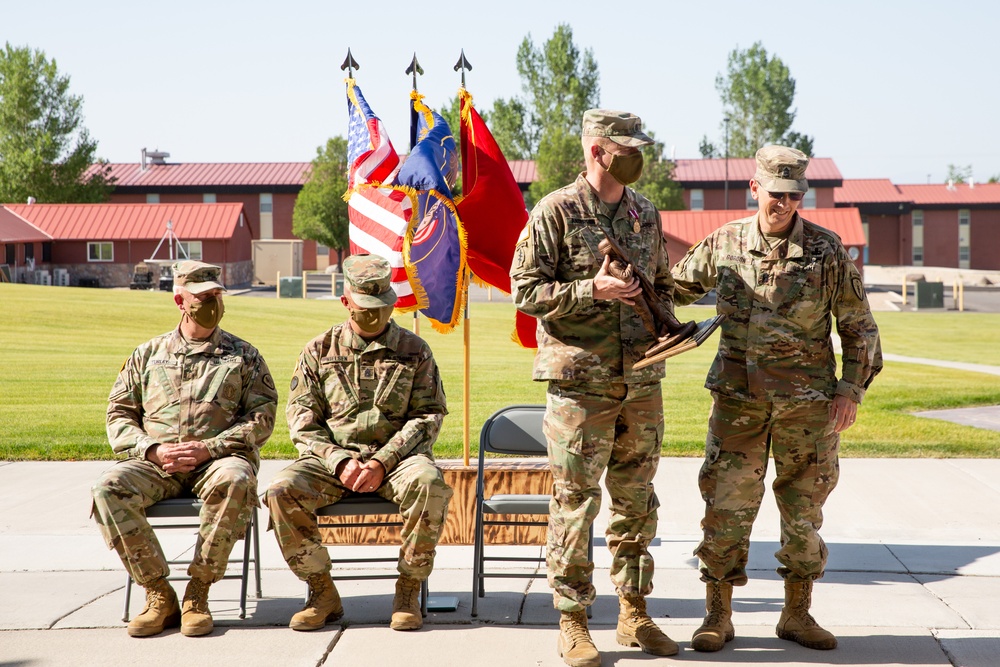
(320, 211)
(958, 174)
(657, 182)
(707, 148)
(45, 152)
(757, 94)
(559, 83)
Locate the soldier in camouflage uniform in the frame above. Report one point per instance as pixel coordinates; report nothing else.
(780, 280)
(365, 407)
(191, 410)
(601, 415)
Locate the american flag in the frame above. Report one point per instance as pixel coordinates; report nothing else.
(379, 219)
(370, 155)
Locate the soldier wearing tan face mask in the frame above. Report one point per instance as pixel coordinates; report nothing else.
(364, 409)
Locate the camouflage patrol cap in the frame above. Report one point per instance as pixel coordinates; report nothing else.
(369, 278)
(621, 127)
(196, 277)
(781, 169)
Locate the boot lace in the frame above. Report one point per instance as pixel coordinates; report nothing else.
(638, 614)
(198, 595)
(715, 607)
(576, 628)
(408, 589)
(317, 587)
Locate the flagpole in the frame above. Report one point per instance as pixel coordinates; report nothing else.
(414, 68)
(463, 64)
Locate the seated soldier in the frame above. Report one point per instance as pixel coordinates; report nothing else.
(364, 409)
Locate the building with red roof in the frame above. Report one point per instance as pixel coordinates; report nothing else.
(947, 225)
(104, 242)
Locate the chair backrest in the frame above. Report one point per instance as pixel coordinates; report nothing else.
(516, 430)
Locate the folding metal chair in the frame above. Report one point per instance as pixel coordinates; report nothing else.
(514, 430)
(185, 509)
(366, 504)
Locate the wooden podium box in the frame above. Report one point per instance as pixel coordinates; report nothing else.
(502, 476)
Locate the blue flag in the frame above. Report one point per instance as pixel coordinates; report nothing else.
(434, 249)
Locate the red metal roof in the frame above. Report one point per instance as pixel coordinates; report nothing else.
(742, 169)
(868, 191)
(692, 226)
(15, 230)
(209, 174)
(957, 195)
(113, 222)
(525, 171)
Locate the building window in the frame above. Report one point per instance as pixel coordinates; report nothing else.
(11, 254)
(29, 252)
(190, 249)
(917, 218)
(208, 198)
(266, 202)
(809, 201)
(47, 252)
(697, 200)
(152, 198)
(864, 228)
(751, 202)
(964, 237)
(100, 251)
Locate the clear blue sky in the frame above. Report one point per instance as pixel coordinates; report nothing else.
(888, 89)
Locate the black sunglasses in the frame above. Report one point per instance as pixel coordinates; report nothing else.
(794, 196)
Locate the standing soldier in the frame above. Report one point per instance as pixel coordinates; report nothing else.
(780, 280)
(601, 414)
(191, 409)
(365, 408)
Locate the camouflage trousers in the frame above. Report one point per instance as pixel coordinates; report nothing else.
(416, 485)
(592, 428)
(741, 435)
(227, 487)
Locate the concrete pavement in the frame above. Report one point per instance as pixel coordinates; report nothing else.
(913, 579)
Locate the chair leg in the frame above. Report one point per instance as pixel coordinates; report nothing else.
(128, 596)
(245, 579)
(423, 598)
(256, 551)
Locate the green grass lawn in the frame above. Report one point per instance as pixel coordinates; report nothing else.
(60, 349)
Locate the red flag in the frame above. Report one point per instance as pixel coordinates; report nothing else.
(492, 210)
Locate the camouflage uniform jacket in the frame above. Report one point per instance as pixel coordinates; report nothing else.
(775, 343)
(554, 265)
(170, 390)
(379, 400)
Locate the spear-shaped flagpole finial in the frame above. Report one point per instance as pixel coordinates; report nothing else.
(463, 64)
(350, 64)
(414, 69)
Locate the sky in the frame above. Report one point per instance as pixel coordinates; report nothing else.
(888, 89)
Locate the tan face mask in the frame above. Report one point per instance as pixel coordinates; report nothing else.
(371, 320)
(207, 313)
(626, 169)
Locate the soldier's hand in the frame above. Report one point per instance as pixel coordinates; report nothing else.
(608, 287)
(347, 472)
(179, 457)
(843, 412)
(370, 477)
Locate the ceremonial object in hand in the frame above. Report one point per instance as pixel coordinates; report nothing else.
(656, 316)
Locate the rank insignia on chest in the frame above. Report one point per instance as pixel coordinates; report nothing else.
(367, 372)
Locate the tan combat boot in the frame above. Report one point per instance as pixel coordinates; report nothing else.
(636, 628)
(406, 605)
(196, 620)
(576, 648)
(161, 611)
(322, 607)
(718, 626)
(797, 624)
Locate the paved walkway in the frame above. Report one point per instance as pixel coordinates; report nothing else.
(913, 579)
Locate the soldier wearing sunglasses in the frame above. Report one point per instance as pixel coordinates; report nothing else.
(780, 280)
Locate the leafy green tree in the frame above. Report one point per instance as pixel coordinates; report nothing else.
(707, 148)
(45, 152)
(757, 94)
(320, 211)
(558, 83)
(657, 182)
